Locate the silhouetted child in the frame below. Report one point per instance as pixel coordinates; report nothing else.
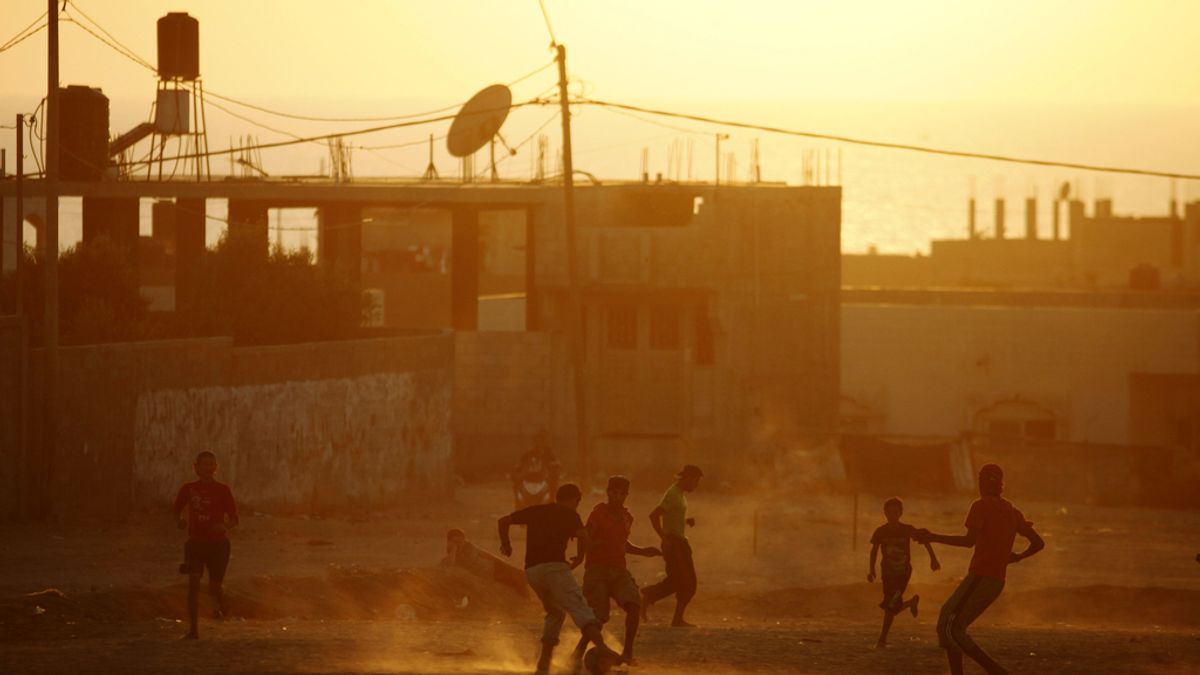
(464, 554)
(211, 511)
(893, 537)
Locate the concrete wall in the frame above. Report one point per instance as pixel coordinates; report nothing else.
(297, 428)
(928, 370)
(507, 387)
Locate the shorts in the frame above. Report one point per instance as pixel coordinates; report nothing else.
(974, 595)
(555, 586)
(894, 585)
(214, 555)
(602, 582)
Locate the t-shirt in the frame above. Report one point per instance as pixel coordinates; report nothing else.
(550, 527)
(998, 523)
(892, 539)
(674, 506)
(208, 504)
(609, 531)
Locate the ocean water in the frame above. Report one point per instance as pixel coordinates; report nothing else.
(893, 201)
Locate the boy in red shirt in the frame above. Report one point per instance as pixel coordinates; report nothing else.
(606, 574)
(211, 511)
(993, 524)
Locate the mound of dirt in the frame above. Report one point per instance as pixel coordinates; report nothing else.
(1085, 605)
(422, 594)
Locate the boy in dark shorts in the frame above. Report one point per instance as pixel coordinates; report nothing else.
(606, 574)
(211, 512)
(993, 524)
(893, 537)
(549, 528)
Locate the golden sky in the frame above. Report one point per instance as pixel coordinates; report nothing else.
(1017, 51)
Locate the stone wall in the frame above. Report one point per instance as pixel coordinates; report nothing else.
(296, 428)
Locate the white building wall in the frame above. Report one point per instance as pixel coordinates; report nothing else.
(928, 369)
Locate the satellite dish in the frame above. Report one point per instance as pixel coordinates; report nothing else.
(479, 120)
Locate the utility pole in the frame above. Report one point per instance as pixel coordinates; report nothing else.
(717, 163)
(23, 371)
(50, 261)
(19, 308)
(575, 312)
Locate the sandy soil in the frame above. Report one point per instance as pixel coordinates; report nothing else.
(1117, 591)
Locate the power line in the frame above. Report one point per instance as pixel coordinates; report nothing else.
(549, 28)
(21, 32)
(892, 146)
(21, 38)
(325, 137)
(129, 52)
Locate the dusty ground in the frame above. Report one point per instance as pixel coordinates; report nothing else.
(1117, 591)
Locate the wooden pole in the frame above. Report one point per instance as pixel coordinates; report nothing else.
(575, 313)
(50, 263)
(19, 308)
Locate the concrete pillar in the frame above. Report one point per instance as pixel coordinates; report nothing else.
(339, 241)
(999, 218)
(190, 225)
(248, 224)
(971, 218)
(1031, 218)
(464, 268)
(114, 218)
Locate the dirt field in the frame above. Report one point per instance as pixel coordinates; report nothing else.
(1116, 591)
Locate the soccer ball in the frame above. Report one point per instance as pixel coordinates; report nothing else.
(598, 661)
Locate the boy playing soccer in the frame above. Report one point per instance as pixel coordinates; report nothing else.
(606, 574)
(549, 528)
(993, 524)
(893, 537)
(211, 511)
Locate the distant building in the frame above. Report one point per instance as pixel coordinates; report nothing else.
(1102, 250)
(1119, 368)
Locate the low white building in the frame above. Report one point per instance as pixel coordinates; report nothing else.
(1081, 368)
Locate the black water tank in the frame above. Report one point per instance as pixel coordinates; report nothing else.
(83, 124)
(178, 47)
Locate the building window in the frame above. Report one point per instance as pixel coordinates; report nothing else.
(664, 328)
(622, 327)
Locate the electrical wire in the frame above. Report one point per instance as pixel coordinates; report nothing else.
(16, 38)
(893, 146)
(126, 50)
(549, 28)
(16, 41)
(353, 132)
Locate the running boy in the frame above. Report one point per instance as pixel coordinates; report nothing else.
(211, 512)
(550, 527)
(670, 519)
(606, 574)
(893, 537)
(993, 524)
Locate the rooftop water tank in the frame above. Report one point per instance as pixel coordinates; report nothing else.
(83, 124)
(178, 47)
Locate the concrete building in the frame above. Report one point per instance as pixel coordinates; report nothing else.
(1075, 368)
(711, 313)
(1103, 250)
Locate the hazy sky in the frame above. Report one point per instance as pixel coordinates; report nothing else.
(1089, 52)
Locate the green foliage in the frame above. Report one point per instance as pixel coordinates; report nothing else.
(98, 296)
(241, 291)
(284, 298)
